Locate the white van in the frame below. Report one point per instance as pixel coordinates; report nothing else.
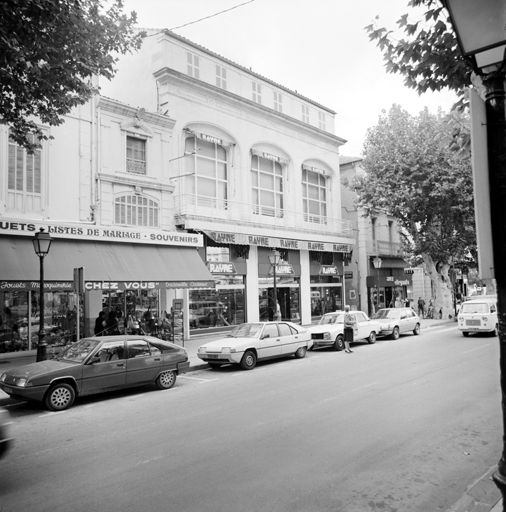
(478, 315)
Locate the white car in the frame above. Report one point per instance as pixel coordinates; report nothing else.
(396, 321)
(329, 331)
(251, 342)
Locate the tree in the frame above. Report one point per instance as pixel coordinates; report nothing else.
(428, 57)
(415, 176)
(50, 51)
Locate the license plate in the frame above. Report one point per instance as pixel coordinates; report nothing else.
(473, 322)
(209, 356)
(8, 390)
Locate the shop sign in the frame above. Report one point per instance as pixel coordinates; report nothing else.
(50, 286)
(276, 243)
(145, 285)
(329, 270)
(373, 281)
(282, 269)
(348, 274)
(101, 233)
(221, 267)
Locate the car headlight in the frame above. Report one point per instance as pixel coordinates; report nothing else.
(385, 327)
(22, 383)
(227, 350)
(201, 350)
(3, 377)
(326, 335)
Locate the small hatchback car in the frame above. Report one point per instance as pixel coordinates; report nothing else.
(95, 365)
(396, 321)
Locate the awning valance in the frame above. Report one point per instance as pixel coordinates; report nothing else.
(268, 156)
(209, 138)
(131, 266)
(310, 168)
(392, 262)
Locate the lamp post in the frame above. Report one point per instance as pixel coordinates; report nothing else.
(377, 262)
(274, 260)
(41, 244)
(479, 27)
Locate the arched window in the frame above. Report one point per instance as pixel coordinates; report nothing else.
(208, 167)
(131, 210)
(267, 181)
(314, 194)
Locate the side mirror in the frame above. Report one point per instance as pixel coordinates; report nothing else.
(266, 336)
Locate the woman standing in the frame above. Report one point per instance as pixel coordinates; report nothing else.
(349, 325)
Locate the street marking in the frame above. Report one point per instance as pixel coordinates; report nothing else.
(477, 348)
(196, 378)
(53, 413)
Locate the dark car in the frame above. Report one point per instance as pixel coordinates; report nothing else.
(5, 440)
(95, 365)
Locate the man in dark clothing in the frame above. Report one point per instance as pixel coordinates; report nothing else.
(421, 307)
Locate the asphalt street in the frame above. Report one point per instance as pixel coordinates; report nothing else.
(401, 425)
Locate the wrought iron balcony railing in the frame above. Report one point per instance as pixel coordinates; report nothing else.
(246, 214)
(384, 248)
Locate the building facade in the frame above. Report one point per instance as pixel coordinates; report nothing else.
(256, 168)
(375, 275)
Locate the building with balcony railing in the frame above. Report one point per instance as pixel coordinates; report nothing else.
(255, 168)
(374, 274)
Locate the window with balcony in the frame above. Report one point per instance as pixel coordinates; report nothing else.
(278, 101)
(267, 181)
(136, 210)
(209, 172)
(314, 196)
(193, 63)
(256, 91)
(221, 77)
(24, 179)
(136, 155)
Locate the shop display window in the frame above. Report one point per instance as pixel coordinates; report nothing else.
(217, 308)
(287, 295)
(325, 299)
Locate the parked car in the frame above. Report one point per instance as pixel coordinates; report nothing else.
(5, 440)
(94, 365)
(478, 315)
(396, 321)
(329, 331)
(251, 342)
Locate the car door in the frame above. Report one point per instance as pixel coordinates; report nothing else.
(289, 339)
(362, 326)
(410, 320)
(404, 321)
(105, 369)
(269, 344)
(143, 362)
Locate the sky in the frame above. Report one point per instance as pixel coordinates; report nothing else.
(318, 48)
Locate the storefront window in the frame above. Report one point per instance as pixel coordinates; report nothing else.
(325, 299)
(220, 307)
(14, 321)
(137, 311)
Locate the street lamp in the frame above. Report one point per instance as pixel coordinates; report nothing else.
(377, 262)
(41, 244)
(482, 40)
(274, 258)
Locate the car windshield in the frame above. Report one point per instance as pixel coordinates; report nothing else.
(474, 308)
(79, 351)
(386, 313)
(332, 318)
(246, 331)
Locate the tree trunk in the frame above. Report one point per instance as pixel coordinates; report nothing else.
(441, 289)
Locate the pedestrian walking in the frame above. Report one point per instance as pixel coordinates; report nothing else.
(349, 325)
(421, 307)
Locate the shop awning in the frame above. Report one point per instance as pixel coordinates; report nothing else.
(165, 267)
(393, 262)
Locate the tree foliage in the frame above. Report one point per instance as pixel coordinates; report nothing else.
(427, 56)
(50, 50)
(415, 176)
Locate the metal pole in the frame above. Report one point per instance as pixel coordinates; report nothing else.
(42, 345)
(496, 146)
(275, 316)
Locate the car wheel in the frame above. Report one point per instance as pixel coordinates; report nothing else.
(214, 366)
(339, 343)
(300, 352)
(465, 334)
(372, 338)
(249, 360)
(166, 379)
(416, 330)
(395, 333)
(60, 397)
